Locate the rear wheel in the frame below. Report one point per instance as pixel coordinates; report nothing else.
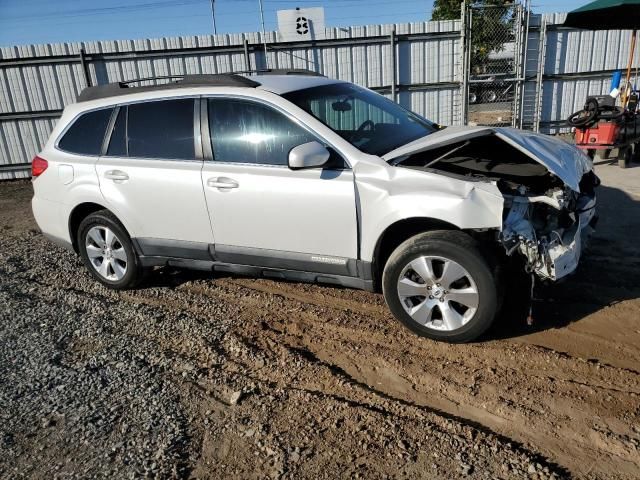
(440, 286)
(107, 251)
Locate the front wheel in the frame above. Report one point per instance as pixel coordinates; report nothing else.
(440, 286)
(107, 251)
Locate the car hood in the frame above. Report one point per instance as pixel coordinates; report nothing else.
(561, 158)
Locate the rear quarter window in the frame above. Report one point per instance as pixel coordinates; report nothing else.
(86, 133)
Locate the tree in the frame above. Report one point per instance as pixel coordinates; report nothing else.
(446, 9)
(491, 27)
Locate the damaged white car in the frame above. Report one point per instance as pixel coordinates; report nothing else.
(288, 175)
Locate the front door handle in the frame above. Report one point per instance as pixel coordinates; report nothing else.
(222, 182)
(116, 175)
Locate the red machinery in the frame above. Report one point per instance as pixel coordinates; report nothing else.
(601, 127)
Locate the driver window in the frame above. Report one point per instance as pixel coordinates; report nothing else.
(249, 132)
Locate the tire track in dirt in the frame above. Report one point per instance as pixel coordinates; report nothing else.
(337, 387)
(457, 390)
(610, 443)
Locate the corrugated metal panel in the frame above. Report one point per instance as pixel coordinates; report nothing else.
(48, 77)
(570, 53)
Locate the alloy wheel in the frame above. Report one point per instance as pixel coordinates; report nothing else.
(106, 253)
(438, 293)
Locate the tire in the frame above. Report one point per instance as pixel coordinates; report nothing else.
(107, 251)
(489, 96)
(457, 322)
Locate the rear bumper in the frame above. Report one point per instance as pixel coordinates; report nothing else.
(49, 217)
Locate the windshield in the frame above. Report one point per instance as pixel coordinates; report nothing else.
(367, 120)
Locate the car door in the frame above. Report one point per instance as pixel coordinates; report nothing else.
(262, 212)
(150, 176)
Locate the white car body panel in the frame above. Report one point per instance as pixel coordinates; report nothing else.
(55, 196)
(280, 84)
(315, 208)
(162, 199)
(566, 161)
(390, 194)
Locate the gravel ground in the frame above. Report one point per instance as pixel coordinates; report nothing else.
(196, 376)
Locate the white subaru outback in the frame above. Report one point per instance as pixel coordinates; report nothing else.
(296, 176)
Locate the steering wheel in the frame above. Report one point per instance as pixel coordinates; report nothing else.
(359, 133)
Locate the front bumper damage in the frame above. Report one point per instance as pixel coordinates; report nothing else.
(549, 231)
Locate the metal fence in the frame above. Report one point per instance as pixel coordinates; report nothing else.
(416, 64)
(533, 75)
(565, 67)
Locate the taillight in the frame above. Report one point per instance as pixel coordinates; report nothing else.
(38, 165)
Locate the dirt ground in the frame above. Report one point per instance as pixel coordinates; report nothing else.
(284, 380)
(490, 114)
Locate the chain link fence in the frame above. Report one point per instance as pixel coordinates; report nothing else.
(493, 46)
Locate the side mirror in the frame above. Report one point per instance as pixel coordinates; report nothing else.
(308, 155)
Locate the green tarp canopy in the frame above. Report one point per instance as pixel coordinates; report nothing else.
(606, 15)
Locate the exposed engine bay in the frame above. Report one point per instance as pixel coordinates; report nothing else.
(544, 220)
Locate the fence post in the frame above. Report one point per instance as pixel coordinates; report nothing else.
(247, 58)
(524, 64)
(392, 43)
(542, 45)
(464, 65)
(517, 82)
(85, 67)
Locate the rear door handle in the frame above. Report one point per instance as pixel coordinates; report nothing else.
(116, 175)
(222, 182)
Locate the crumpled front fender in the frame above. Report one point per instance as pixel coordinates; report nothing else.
(388, 195)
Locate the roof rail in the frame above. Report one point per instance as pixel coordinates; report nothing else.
(202, 80)
(282, 71)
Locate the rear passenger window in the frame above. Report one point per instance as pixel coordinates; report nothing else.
(161, 129)
(249, 132)
(86, 134)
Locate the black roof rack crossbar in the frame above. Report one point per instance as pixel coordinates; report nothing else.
(200, 80)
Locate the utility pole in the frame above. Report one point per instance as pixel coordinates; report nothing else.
(264, 38)
(213, 17)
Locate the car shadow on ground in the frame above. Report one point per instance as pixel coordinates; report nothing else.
(613, 160)
(609, 273)
(173, 277)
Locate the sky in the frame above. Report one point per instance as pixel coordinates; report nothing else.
(53, 21)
